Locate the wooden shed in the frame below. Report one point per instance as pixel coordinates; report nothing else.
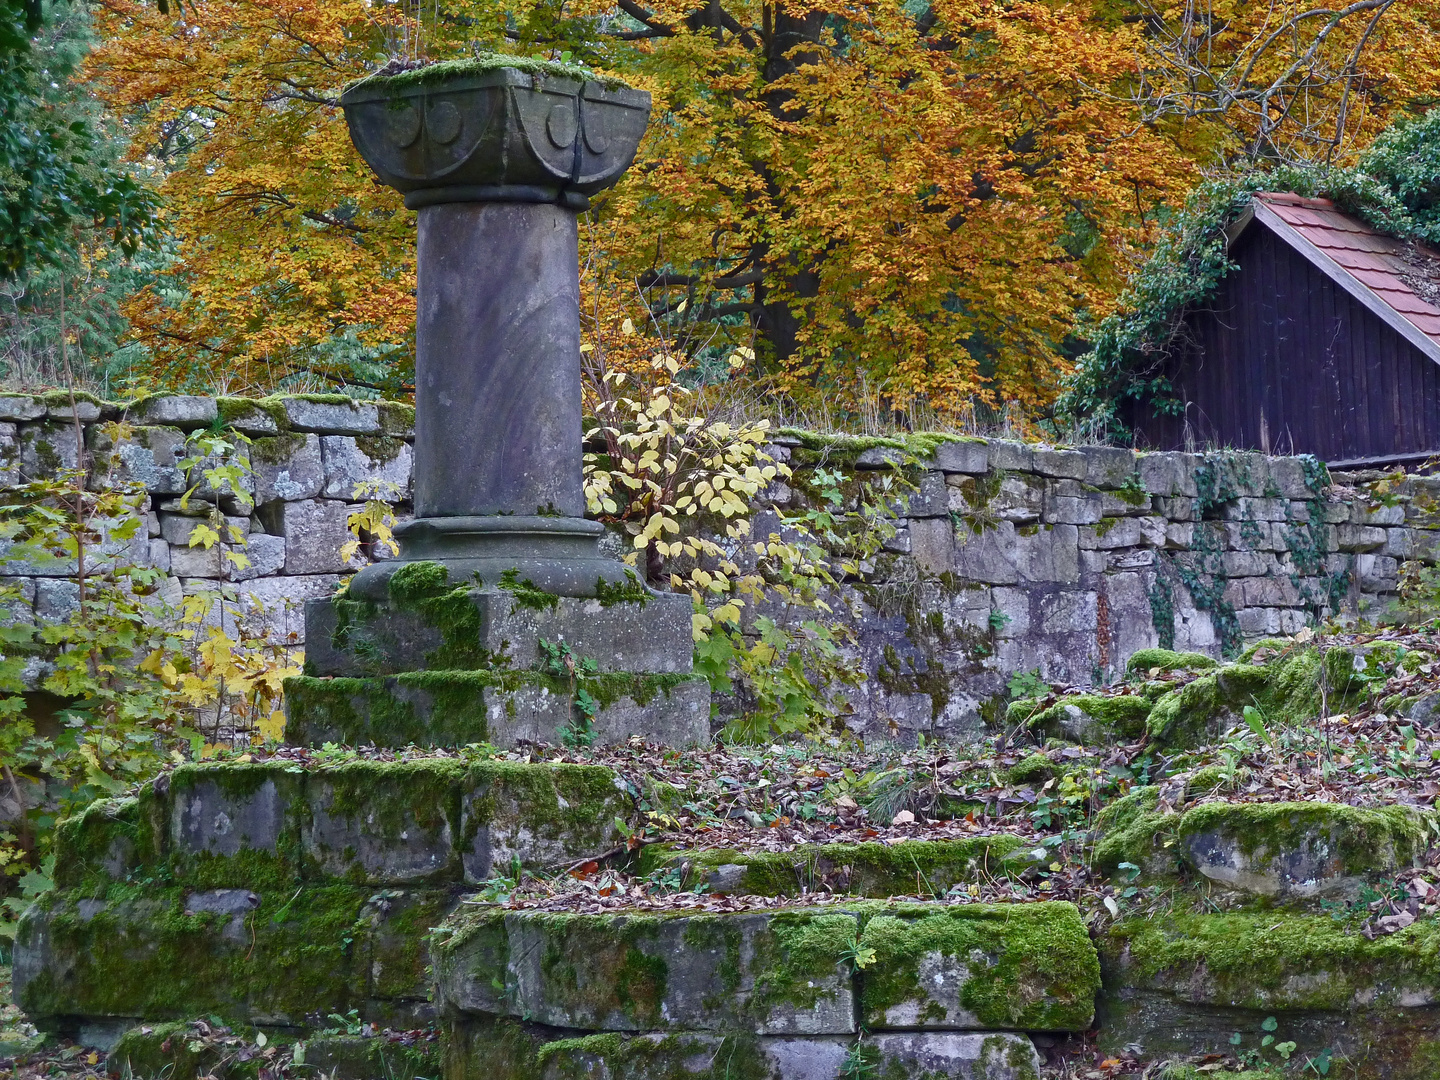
(1325, 340)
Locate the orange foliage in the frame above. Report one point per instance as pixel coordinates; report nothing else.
(859, 198)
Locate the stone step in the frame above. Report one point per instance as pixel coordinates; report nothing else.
(422, 822)
(1287, 851)
(501, 707)
(265, 892)
(908, 868)
(485, 1049)
(1190, 984)
(439, 628)
(187, 1051)
(823, 970)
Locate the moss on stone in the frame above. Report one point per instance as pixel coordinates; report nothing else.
(1274, 959)
(277, 449)
(1027, 966)
(1362, 839)
(135, 952)
(1133, 830)
(110, 839)
(381, 449)
(431, 75)
(232, 410)
(1035, 769)
(1144, 660)
(1094, 718)
(909, 868)
(396, 418)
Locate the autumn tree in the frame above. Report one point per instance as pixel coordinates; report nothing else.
(864, 199)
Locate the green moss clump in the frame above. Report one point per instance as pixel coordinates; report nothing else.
(1035, 769)
(380, 448)
(633, 591)
(525, 594)
(1132, 830)
(396, 418)
(277, 449)
(1274, 960)
(1144, 660)
(232, 410)
(134, 951)
(111, 839)
(1361, 840)
(446, 70)
(1094, 718)
(1027, 967)
(413, 582)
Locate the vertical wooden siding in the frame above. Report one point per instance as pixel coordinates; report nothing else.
(1280, 339)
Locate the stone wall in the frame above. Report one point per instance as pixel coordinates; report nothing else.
(1006, 558)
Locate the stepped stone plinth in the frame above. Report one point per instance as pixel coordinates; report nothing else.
(500, 620)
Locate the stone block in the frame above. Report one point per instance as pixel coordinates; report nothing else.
(1338, 510)
(547, 817)
(1070, 464)
(331, 416)
(932, 544)
(975, 1056)
(491, 626)
(288, 468)
(21, 407)
(149, 457)
(1245, 564)
(1070, 510)
(372, 822)
(931, 500)
(966, 456)
(980, 553)
(112, 838)
(394, 923)
(1168, 474)
(159, 555)
(1014, 606)
(226, 818)
(274, 607)
(1377, 573)
(1258, 622)
(180, 410)
(1068, 612)
(314, 532)
(900, 542)
(1301, 850)
(768, 973)
(1356, 538)
(454, 708)
(1108, 466)
(251, 417)
(1110, 533)
(1288, 475)
(1047, 553)
(9, 454)
(1124, 504)
(1177, 509)
(59, 407)
(978, 966)
(881, 457)
(367, 467)
(265, 955)
(56, 599)
(266, 554)
(1010, 456)
(1248, 509)
(46, 448)
(198, 562)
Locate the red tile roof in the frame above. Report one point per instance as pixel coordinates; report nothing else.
(1402, 275)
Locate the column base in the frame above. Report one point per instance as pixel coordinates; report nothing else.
(559, 555)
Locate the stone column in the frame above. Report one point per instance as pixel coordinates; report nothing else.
(498, 161)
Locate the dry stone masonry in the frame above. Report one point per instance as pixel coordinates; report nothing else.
(1007, 558)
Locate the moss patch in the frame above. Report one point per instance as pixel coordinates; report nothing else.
(1025, 966)
(1145, 660)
